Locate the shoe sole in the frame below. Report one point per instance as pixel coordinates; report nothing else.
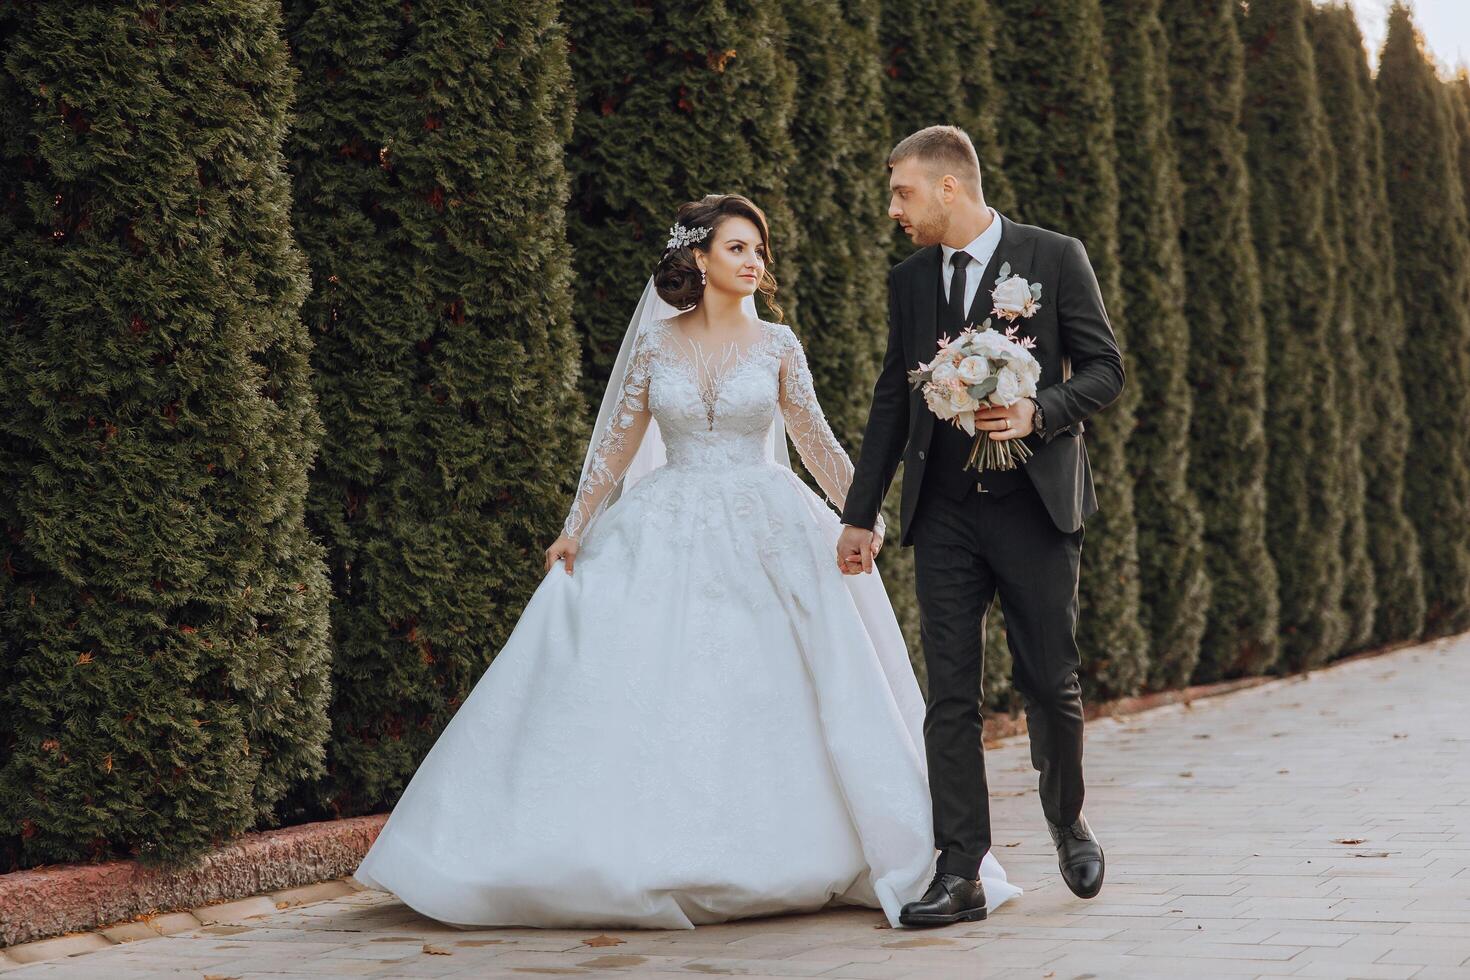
(921, 919)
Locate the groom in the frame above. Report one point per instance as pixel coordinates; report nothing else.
(1016, 532)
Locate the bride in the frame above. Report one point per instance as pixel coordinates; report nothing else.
(697, 717)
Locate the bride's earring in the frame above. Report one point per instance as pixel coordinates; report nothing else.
(702, 280)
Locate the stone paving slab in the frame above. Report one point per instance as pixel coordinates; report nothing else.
(1315, 827)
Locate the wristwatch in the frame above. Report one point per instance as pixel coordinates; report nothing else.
(1038, 423)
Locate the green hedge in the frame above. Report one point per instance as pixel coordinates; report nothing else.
(1431, 244)
(1372, 312)
(1174, 587)
(1341, 61)
(428, 136)
(163, 621)
(1227, 340)
(1289, 157)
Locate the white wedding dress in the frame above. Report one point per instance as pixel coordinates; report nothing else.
(707, 719)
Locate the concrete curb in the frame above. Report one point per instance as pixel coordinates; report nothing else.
(54, 900)
(57, 900)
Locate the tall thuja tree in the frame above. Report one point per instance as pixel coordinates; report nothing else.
(430, 197)
(1227, 341)
(1383, 593)
(163, 623)
(1427, 211)
(1061, 164)
(840, 131)
(938, 67)
(674, 101)
(1459, 92)
(1372, 312)
(1289, 157)
(1174, 584)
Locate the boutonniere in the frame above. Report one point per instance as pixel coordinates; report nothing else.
(1014, 297)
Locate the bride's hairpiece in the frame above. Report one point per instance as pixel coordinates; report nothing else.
(682, 235)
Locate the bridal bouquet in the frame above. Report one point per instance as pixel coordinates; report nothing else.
(982, 368)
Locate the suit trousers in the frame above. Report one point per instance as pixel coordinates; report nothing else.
(965, 552)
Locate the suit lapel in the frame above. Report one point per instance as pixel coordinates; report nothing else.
(926, 310)
(1013, 248)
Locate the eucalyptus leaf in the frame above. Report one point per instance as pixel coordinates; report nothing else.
(984, 388)
(1005, 270)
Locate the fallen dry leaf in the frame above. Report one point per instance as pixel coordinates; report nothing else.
(436, 950)
(603, 941)
(1349, 840)
(1371, 854)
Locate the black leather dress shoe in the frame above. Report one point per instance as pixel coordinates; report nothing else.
(1079, 856)
(949, 898)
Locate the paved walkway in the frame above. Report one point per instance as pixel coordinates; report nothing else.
(1318, 827)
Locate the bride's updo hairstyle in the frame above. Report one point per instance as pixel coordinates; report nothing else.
(677, 276)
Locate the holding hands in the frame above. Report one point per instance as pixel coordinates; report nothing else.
(856, 549)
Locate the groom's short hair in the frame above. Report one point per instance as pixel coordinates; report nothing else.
(945, 150)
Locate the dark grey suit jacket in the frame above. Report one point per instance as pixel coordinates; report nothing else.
(1081, 373)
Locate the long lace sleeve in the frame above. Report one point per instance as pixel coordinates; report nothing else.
(820, 452)
(619, 443)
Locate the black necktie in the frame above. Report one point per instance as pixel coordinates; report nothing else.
(957, 293)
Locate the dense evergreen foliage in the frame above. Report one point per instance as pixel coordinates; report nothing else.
(1431, 244)
(163, 609)
(1289, 158)
(425, 136)
(1174, 586)
(1382, 588)
(1227, 341)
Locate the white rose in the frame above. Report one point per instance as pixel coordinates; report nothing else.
(945, 373)
(989, 343)
(1030, 372)
(1007, 387)
(938, 401)
(963, 400)
(1012, 297)
(973, 370)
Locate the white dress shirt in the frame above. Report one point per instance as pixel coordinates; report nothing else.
(980, 250)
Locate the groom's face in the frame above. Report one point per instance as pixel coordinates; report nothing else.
(918, 202)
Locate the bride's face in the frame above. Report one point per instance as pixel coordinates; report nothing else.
(736, 259)
(919, 202)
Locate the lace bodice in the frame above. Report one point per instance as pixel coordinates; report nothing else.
(714, 409)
